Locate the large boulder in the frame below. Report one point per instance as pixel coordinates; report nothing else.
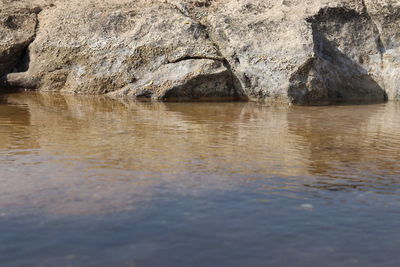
(306, 52)
(142, 49)
(299, 51)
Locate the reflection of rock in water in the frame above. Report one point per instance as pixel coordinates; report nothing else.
(15, 131)
(95, 155)
(98, 155)
(351, 146)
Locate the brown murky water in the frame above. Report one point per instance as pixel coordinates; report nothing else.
(88, 181)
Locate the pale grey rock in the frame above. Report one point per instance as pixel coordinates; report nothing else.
(306, 52)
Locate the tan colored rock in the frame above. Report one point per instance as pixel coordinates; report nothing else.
(122, 48)
(299, 51)
(17, 31)
(386, 16)
(183, 80)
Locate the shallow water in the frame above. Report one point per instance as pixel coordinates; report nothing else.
(87, 181)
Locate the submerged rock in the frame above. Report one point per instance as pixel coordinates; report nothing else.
(304, 52)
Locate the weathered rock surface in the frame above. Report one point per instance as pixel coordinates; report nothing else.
(300, 51)
(309, 52)
(17, 31)
(386, 16)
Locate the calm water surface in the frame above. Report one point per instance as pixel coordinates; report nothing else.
(86, 181)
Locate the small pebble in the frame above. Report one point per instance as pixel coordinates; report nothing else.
(307, 207)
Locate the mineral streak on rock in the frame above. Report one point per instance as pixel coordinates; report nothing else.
(309, 52)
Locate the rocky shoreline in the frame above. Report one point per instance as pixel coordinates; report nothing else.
(308, 52)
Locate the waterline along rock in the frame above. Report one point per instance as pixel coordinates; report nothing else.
(308, 52)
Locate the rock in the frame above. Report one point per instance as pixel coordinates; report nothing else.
(184, 80)
(306, 52)
(307, 206)
(17, 31)
(262, 45)
(137, 50)
(343, 57)
(386, 16)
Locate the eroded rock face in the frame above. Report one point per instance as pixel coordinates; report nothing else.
(299, 51)
(346, 45)
(306, 52)
(184, 80)
(144, 50)
(386, 16)
(17, 31)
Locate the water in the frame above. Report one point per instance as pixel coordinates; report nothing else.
(87, 181)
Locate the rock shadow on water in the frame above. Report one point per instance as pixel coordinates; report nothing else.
(15, 125)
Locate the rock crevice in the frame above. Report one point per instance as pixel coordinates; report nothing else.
(379, 42)
(235, 81)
